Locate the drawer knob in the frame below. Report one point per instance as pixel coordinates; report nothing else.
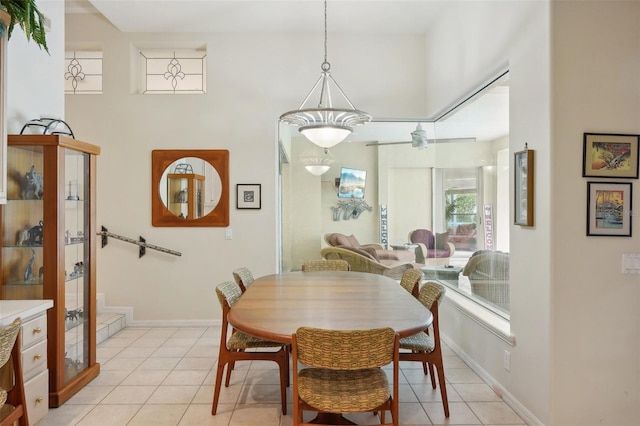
(37, 357)
(37, 330)
(38, 400)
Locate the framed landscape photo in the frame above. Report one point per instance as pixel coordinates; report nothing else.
(609, 209)
(610, 155)
(523, 187)
(248, 196)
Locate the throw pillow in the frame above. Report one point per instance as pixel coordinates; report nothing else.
(441, 241)
(341, 240)
(353, 241)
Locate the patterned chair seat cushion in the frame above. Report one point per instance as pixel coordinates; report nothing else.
(340, 391)
(3, 397)
(421, 342)
(240, 340)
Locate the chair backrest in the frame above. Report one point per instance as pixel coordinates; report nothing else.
(345, 349)
(8, 337)
(430, 293)
(243, 278)
(410, 281)
(326, 265)
(487, 265)
(423, 236)
(228, 294)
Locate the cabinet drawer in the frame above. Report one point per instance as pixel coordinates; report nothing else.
(34, 331)
(36, 393)
(34, 359)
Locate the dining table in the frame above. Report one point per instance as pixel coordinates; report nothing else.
(275, 306)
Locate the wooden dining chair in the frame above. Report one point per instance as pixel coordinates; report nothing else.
(12, 401)
(243, 277)
(343, 372)
(235, 347)
(410, 281)
(424, 347)
(326, 265)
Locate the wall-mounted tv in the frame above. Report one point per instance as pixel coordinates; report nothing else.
(352, 182)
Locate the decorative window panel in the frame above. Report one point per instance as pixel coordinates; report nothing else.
(83, 73)
(173, 72)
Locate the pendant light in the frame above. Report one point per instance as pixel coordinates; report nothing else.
(326, 125)
(316, 161)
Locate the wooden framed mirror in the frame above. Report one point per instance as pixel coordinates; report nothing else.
(190, 187)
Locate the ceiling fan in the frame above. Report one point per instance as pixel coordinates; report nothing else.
(420, 140)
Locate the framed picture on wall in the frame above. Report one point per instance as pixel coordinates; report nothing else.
(523, 187)
(609, 209)
(248, 196)
(610, 155)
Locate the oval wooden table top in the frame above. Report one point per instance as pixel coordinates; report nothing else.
(274, 306)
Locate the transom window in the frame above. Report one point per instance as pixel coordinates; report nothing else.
(83, 72)
(173, 72)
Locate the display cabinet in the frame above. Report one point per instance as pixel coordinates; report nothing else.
(185, 195)
(48, 249)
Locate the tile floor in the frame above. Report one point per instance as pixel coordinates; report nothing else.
(165, 376)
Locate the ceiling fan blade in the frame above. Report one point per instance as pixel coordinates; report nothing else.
(428, 141)
(387, 143)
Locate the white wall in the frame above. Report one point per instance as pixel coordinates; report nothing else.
(252, 79)
(468, 44)
(34, 83)
(574, 317)
(595, 362)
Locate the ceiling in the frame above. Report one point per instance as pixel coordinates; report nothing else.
(345, 16)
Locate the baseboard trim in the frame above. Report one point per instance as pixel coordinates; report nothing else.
(508, 398)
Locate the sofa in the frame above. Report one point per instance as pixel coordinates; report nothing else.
(464, 236)
(375, 251)
(431, 249)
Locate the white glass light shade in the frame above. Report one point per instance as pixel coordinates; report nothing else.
(316, 161)
(317, 169)
(325, 136)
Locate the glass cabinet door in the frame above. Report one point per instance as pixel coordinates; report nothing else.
(76, 202)
(185, 195)
(22, 226)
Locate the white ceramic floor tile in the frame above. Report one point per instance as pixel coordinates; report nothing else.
(166, 376)
(128, 395)
(495, 413)
(200, 415)
(185, 377)
(459, 414)
(146, 377)
(248, 414)
(109, 415)
(173, 395)
(159, 415)
(475, 392)
(65, 415)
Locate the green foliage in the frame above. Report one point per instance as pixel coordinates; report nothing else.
(26, 14)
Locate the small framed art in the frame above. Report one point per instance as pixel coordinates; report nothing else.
(610, 155)
(248, 196)
(523, 187)
(609, 209)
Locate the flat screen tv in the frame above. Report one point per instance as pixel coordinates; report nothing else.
(352, 183)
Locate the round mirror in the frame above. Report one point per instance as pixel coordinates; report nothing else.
(190, 187)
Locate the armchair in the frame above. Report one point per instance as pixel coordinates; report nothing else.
(432, 249)
(363, 261)
(488, 273)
